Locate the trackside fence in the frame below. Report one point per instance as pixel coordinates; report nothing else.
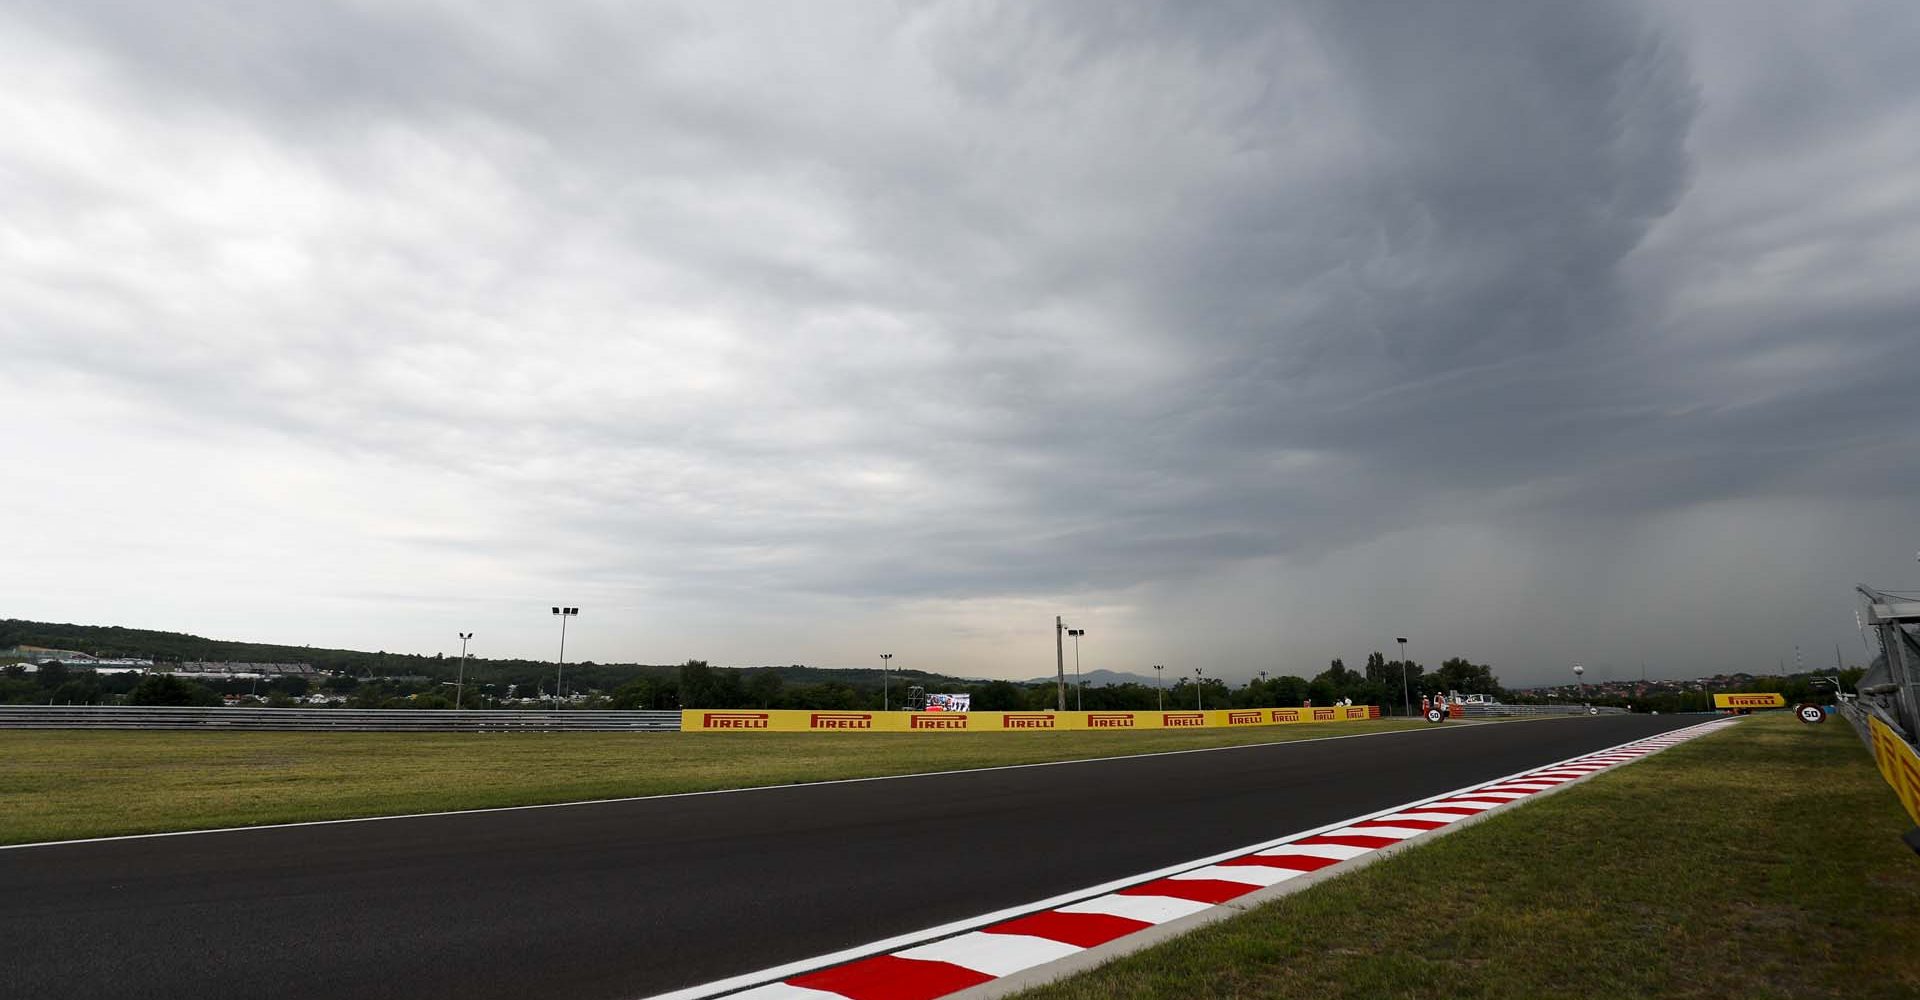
(314, 720)
(1513, 711)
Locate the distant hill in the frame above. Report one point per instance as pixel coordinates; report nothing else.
(173, 647)
(1101, 678)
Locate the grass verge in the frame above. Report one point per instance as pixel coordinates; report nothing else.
(1760, 862)
(66, 784)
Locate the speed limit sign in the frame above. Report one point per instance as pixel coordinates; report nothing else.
(1811, 714)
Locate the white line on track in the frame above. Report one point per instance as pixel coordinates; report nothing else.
(751, 788)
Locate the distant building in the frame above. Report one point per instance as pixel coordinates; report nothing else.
(42, 654)
(115, 665)
(231, 671)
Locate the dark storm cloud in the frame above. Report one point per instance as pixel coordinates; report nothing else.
(989, 303)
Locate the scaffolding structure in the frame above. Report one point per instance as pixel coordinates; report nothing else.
(1891, 687)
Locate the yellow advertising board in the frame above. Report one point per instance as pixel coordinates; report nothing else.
(1899, 764)
(805, 721)
(1763, 700)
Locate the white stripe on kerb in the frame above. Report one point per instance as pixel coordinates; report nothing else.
(1149, 909)
(992, 954)
(1261, 875)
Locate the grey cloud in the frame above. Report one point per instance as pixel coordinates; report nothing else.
(984, 303)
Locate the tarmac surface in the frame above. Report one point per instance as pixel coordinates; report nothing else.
(628, 899)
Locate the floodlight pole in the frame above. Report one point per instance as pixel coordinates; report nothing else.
(460, 684)
(560, 670)
(1160, 684)
(1196, 691)
(884, 658)
(1079, 686)
(1060, 662)
(1406, 693)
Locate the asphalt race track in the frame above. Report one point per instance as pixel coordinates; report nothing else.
(628, 899)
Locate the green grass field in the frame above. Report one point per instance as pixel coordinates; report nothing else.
(1760, 862)
(61, 784)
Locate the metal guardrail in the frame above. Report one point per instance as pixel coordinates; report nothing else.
(320, 720)
(1476, 711)
(1856, 714)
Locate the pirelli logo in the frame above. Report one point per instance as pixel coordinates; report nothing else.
(1323, 715)
(1749, 701)
(1242, 718)
(938, 720)
(734, 720)
(1286, 715)
(1014, 720)
(1179, 720)
(1898, 764)
(842, 720)
(1109, 720)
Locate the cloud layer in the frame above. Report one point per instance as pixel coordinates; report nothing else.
(1245, 336)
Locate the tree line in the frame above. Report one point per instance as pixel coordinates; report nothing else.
(699, 685)
(392, 680)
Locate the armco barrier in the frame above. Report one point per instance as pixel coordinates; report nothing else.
(800, 721)
(308, 720)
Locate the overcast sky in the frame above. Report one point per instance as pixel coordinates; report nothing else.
(1243, 335)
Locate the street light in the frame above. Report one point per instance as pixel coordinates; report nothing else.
(1406, 694)
(460, 684)
(1060, 662)
(1079, 686)
(1160, 684)
(1196, 691)
(884, 657)
(560, 670)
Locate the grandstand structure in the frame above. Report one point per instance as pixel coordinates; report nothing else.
(1891, 687)
(43, 654)
(206, 668)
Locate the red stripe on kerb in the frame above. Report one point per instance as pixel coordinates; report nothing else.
(1462, 810)
(1296, 862)
(1350, 840)
(885, 977)
(1083, 929)
(1200, 890)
